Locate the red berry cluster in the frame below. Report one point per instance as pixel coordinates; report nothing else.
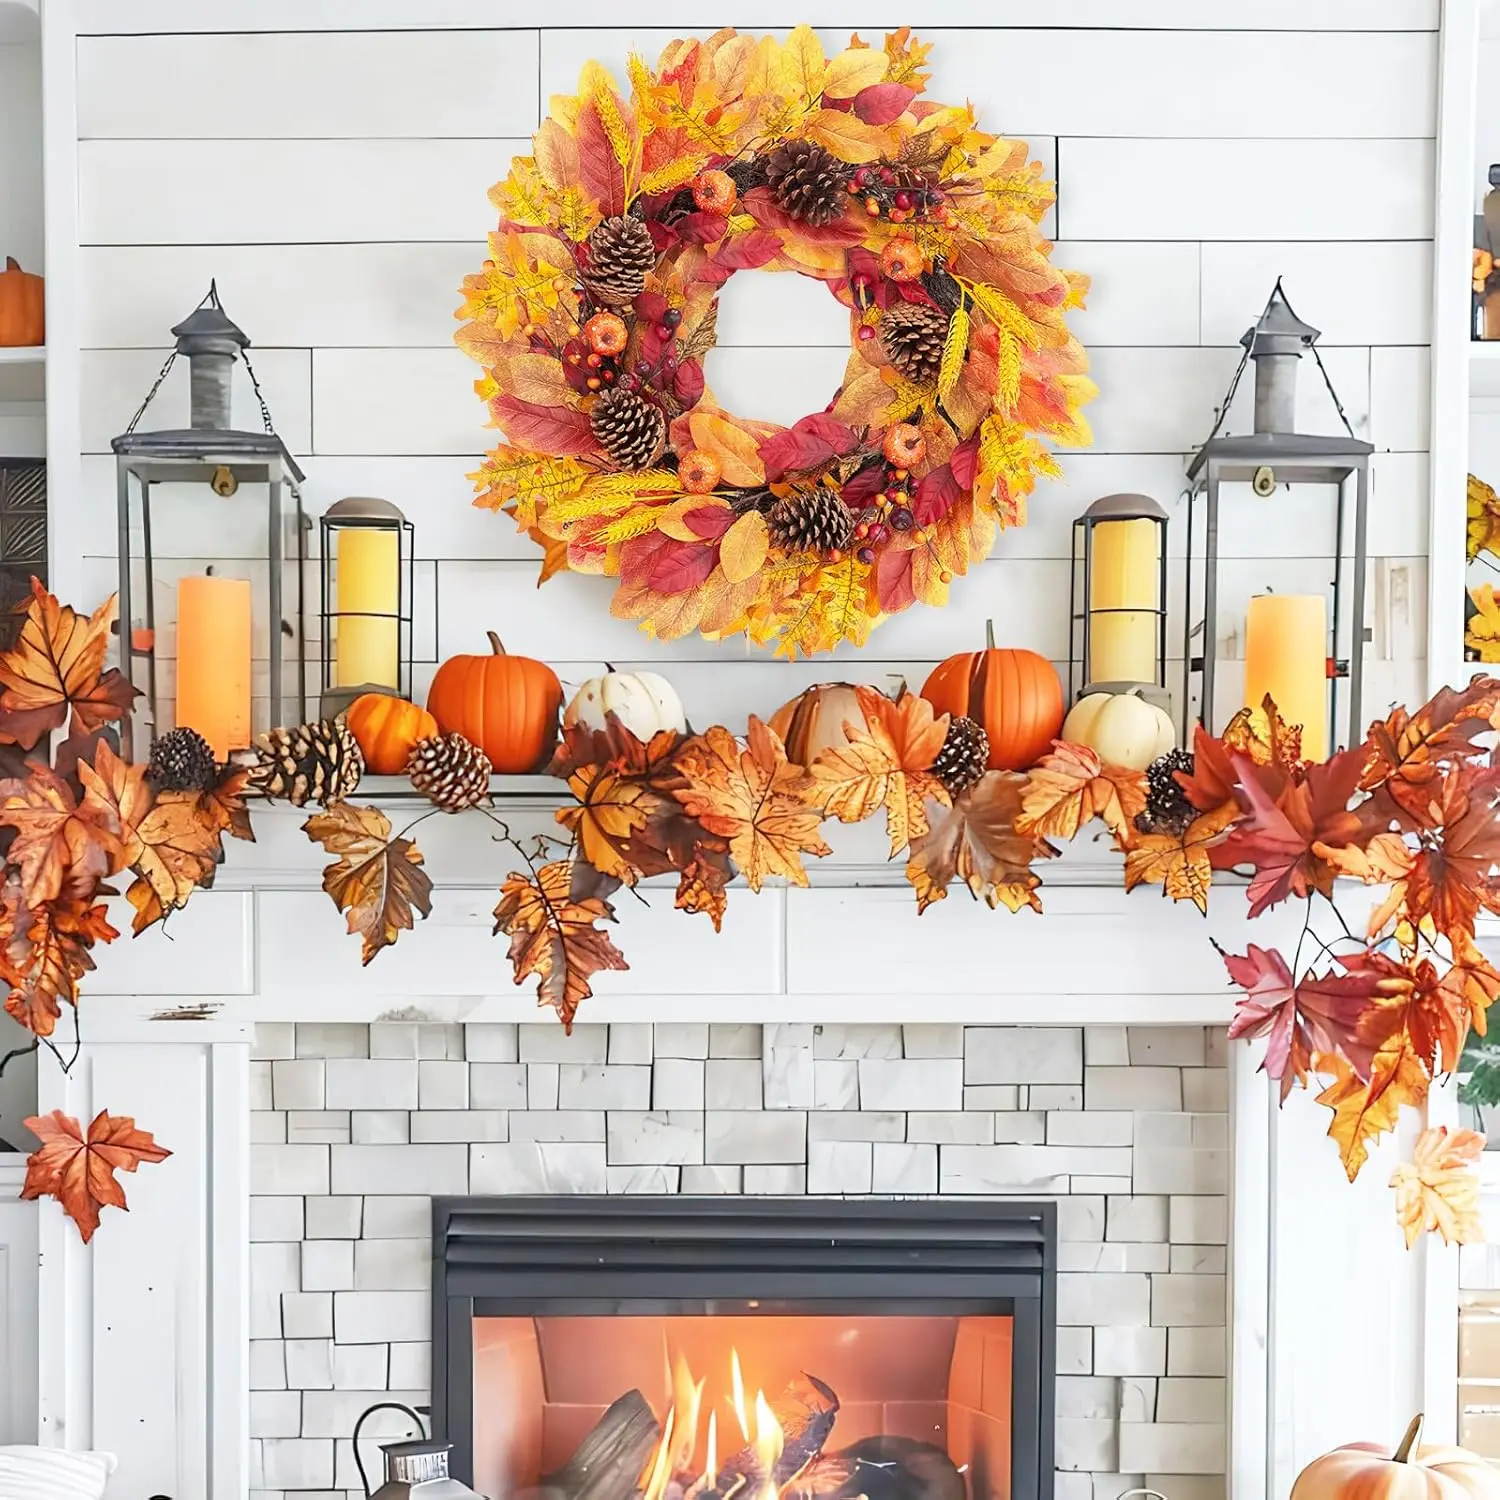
(886, 195)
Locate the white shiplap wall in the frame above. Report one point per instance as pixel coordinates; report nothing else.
(332, 175)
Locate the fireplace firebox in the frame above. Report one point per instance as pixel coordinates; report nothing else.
(745, 1349)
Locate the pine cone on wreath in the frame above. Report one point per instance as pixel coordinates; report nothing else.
(621, 255)
(631, 429)
(1167, 807)
(182, 761)
(811, 521)
(808, 181)
(453, 771)
(964, 756)
(912, 335)
(318, 762)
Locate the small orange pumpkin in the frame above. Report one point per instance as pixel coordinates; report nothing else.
(23, 320)
(1411, 1473)
(388, 728)
(814, 720)
(507, 705)
(1015, 695)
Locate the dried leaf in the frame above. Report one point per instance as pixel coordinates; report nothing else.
(736, 451)
(755, 798)
(854, 70)
(178, 847)
(57, 664)
(1180, 863)
(78, 1170)
(1071, 785)
(1362, 1111)
(378, 880)
(45, 953)
(1406, 753)
(977, 841)
(554, 937)
(59, 841)
(1438, 1189)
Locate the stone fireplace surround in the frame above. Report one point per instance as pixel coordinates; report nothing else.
(355, 1128)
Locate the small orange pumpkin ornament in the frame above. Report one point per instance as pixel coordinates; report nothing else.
(1014, 694)
(23, 321)
(1411, 1473)
(814, 720)
(507, 705)
(387, 728)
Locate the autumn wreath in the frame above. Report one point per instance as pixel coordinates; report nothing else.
(594, 313)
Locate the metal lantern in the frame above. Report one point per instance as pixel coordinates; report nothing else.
(212, 454)
(1117, 598)
(1275, 454)
(416, 1469)
(366, 577)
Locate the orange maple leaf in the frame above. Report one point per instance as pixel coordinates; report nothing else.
(60, 842)
(555, 938)
(46, 953)
(1180, 863)
(178, 848)
(887, 762)
(377, 880)
(78, 1170)
(1438, 1189)
(57, 664)
(755, 798)
(1363, 1110)
(1071, 785)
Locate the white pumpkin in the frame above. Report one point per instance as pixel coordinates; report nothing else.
(644, 702)
(1123, 729)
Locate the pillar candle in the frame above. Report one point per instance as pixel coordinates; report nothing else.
(1286, 656)
(213, 661)
(1123, 578)
(366, 643)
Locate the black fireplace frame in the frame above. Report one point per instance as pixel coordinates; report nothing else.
(585, 1254)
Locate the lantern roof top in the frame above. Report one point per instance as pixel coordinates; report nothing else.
(162, 452)
(209, 321)
(1278, 330)
(1311, 458)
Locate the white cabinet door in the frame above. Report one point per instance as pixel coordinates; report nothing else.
(18, 1292)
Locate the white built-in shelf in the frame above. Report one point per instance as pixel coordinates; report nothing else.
(1484, 368)
(34, 354)
(23, 374)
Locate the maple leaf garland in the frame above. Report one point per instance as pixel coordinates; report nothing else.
(1438, 1189)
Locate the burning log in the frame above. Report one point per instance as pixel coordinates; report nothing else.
(805, 1413)
(882, 1468)
(607, 1464)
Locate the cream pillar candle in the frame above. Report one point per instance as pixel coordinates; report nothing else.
(366, 644)
(1286, 657)
(1123, 577)
(213, 661)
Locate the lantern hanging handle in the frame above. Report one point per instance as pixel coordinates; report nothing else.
(211, 298)
(370, 1412)
(1333, 395)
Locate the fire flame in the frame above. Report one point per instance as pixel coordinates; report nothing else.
(673, 1462)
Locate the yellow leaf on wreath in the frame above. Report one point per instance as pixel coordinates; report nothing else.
(854, 69)
(736, 451)
(1004, 314)
(556, 154)
(744, 547)
(848, 137)
(671, 519)
(802, 68)
(673, 174)
(1008, 392)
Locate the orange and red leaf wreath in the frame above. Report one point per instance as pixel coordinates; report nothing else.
(593, 315)
(1375, 1016)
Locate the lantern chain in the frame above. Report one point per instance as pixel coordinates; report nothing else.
(1333, 395)
(1228, 400)
(161, 375)
(265, 411)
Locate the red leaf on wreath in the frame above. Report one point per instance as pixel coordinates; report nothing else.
(78, 1170)
(881, 103)
(1298, 1017)
(894, 589)
(603, 176)
(769, 214)
(680, 566)
(747, 252)
(864, 485)
(705, 229)
(555, 430)
(808, 443)
(933, 497)
(650, 306)
(709, 521)
(687, 383)
(964, 461)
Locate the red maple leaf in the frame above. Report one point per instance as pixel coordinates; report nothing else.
(79, 1170)
(1416, 1000)
(1316, 1013)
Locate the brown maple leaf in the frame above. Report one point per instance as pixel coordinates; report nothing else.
(377, 880)
(977, 840)
(884, 763)
(1072, 785)
(45, 952)
(1285, 823)
(1405, 754)
(1364, 1110)
(57, 664)
(1438, 1189)
(223, 806)
(178, 849)
(754, 797)
(611, 807)
(79, 1170)
(1453, 874)
(1180, 863)
(555, 938)
(704, 877)
(1429, 1007)
(1472, 980)
(60, 841)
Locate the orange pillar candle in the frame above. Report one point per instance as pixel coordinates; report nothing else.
(1286, 657)
(213, 661)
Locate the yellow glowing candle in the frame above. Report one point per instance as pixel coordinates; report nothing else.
(213, 661)
(1123, 579)
(1286, 657)
(366, 644)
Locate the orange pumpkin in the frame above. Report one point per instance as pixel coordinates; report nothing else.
(1365, 1471)
(813, 721)
(387, 729)
(507, 705)
(23, 322)
(1015, 695)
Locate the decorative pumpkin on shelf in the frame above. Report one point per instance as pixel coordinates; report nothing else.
(644, 702)
(388, 729)
(507, 705)
(814, 721)
(1014, 695)
(23, 321)
(1411, 1473)
(1124, 729)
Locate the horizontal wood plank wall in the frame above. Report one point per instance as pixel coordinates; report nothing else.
(334, 182)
